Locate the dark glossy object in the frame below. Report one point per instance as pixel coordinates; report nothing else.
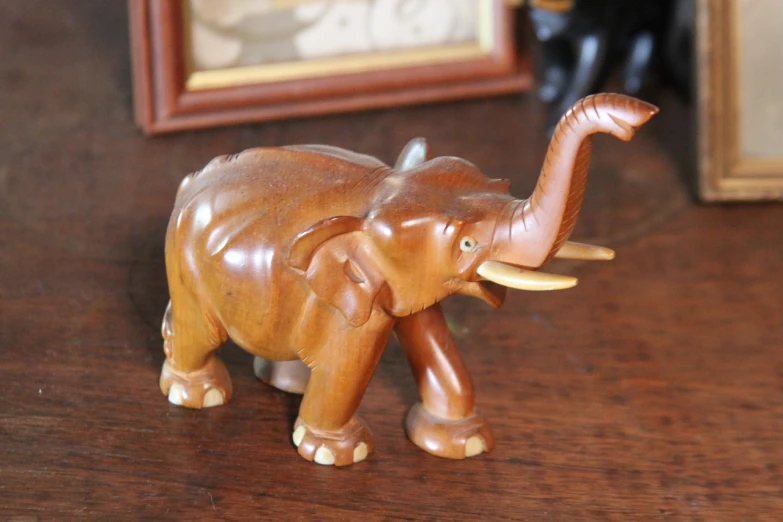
(579, 41)
(314, 253)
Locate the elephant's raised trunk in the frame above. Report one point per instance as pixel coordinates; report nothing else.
(529, 232)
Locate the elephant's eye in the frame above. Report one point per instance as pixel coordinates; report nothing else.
(468, 244)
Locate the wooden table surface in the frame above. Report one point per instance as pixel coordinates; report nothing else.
(653, 390)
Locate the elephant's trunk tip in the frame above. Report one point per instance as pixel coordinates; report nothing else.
(627, 114)
(561, 187)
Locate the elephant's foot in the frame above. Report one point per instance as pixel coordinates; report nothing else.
(204, 388)
(452, 439)
(288, 376)
(353, 443)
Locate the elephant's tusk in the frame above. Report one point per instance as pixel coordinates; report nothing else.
(520, 279)
(571, 250)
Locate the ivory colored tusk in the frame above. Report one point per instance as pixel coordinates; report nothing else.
(520, 279)
(571, 250)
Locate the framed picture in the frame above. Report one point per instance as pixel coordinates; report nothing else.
(200, 63)
(740, 93)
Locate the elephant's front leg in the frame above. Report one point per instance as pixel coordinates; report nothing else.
(445, 423)
(328, 430)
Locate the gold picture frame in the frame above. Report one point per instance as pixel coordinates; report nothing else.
(739, 155)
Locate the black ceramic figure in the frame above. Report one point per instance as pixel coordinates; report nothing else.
(579, 41)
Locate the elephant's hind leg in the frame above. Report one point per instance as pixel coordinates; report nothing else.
(288, 376)
(192, 375)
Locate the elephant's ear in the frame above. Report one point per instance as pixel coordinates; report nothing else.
(416, 152)
(307, 242)
(339, 267)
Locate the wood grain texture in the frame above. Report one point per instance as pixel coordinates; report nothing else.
(653, 390)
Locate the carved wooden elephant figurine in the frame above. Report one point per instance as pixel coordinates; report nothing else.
(310, 256)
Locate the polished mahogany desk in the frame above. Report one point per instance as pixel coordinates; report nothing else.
(653, 390)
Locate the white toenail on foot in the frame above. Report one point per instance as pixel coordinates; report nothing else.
(176, 394)
(324, 456)
(299, 434)
(474, 446)
(213, 397)
(360, 452)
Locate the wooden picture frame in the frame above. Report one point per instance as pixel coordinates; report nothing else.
(169, 97)
(738, 107)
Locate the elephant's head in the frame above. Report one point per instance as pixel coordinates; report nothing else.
(438, 227)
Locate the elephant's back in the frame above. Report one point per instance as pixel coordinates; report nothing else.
(263, 198)
(282, 170)
(240, 213)
(285, 186)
